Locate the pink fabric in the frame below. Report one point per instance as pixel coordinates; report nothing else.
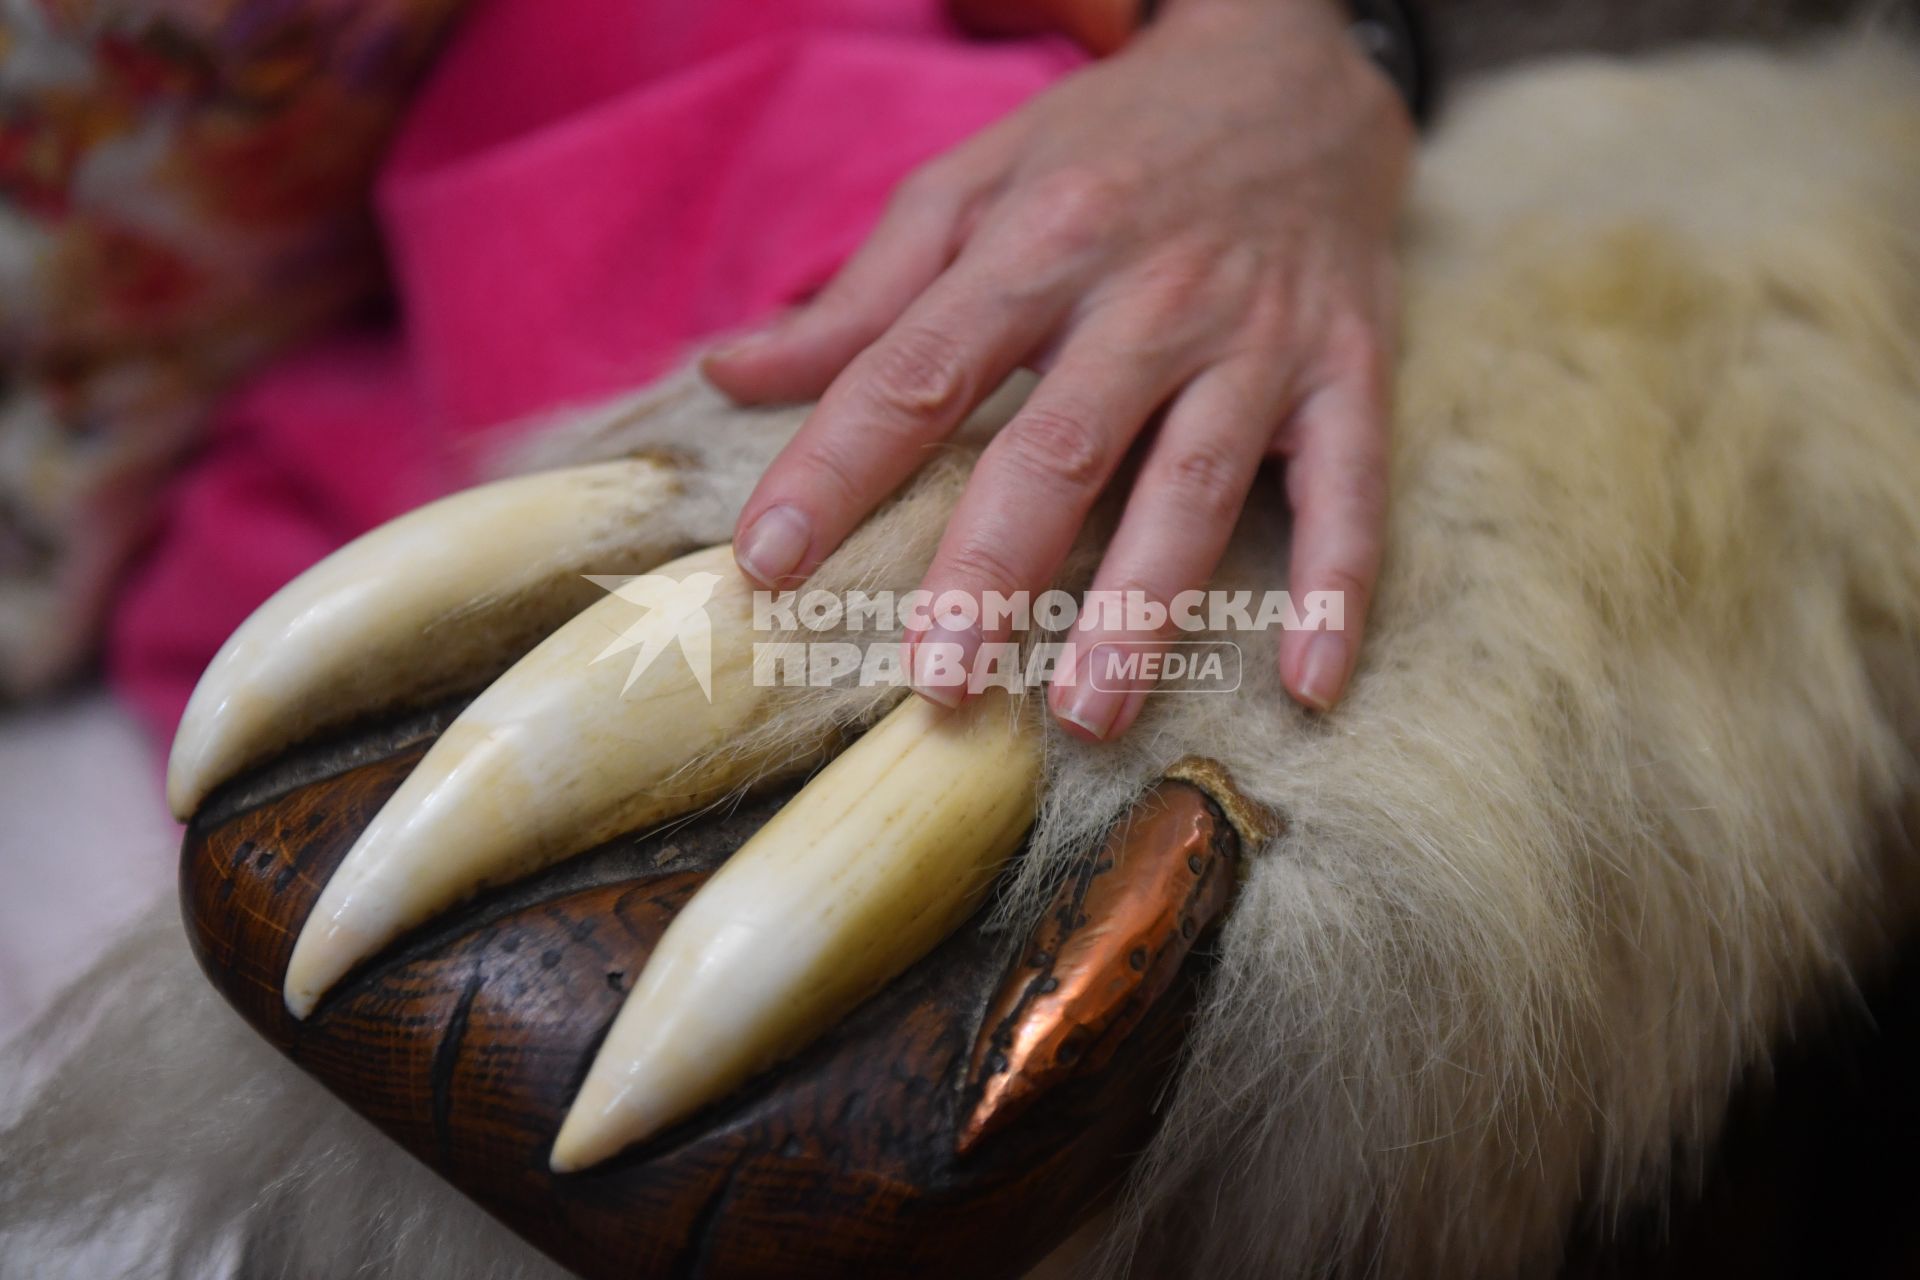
(584, 191)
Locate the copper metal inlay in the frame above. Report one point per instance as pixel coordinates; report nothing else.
(1111, 943)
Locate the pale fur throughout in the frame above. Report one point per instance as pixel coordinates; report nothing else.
(145, 1131)
(1615, 803)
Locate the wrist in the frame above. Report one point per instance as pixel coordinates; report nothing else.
(1386, 33)
(1166, 8)
(1282, 17)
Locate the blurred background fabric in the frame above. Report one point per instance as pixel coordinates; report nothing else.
(182, 193)
(582, 192)
(244, 235)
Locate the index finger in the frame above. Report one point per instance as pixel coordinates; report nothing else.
(899, 397)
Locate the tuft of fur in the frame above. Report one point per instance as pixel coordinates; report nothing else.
(1611, 807)
(1607, 809)
(147, 1133)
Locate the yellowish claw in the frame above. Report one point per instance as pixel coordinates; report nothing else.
(423, 606)
(876, 860)
(616, 721)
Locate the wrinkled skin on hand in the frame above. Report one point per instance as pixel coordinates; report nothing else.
(1192, 240)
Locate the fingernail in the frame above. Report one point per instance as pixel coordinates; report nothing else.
(773, 545)
(1087, 709)
(742, 344)
(942, 659)
(1323, 672)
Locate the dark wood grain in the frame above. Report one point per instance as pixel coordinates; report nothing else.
(466, 1041)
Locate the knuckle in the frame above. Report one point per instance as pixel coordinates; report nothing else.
(1270, 326)
(925, 189)
(917, 377)
(979, 564)
(1354, 346)
(1170, 309)
(1348, 584)
(1131, 588)
(1361, 489)
(1207, 482)
(1269, 321)
(1069, 210)
(1186, 281)
(1058, 445)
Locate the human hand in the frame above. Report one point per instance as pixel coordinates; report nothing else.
(1199, 227)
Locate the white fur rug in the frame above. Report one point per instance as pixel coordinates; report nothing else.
(1609, 810)
(85, 845)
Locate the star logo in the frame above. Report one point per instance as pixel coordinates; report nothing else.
(672, 611)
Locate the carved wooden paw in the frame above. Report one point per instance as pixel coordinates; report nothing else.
(652, 1034)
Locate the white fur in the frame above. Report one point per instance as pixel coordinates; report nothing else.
(151, 1134)
(1608, 809)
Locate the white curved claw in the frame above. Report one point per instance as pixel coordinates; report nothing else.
(865, 870)
(589, 735)
(424, 605)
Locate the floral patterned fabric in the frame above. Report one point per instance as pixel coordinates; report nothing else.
(583, 192)
(183, 189)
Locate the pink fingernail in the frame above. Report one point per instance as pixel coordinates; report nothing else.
(942, 659)
(773, 545)
(1323, 672)
(1087, 708)
(741, 344)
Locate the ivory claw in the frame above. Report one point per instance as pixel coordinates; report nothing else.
(864, 871)
(422, 606)
(608, 725)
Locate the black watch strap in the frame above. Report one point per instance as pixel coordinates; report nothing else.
(1392, 34)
